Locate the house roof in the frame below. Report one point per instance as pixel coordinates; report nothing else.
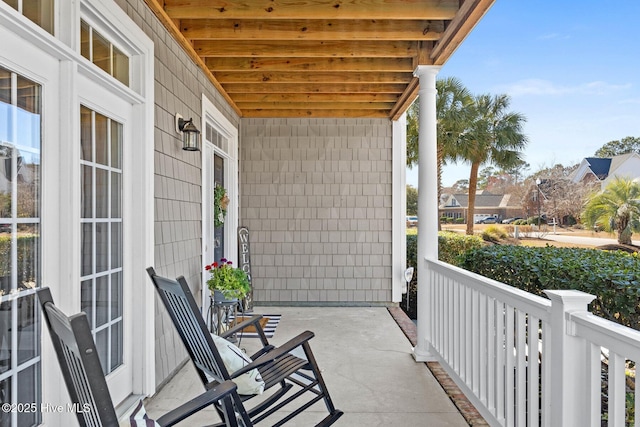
(318, 58)
(483, 200)
(602, 168)
(599, 166)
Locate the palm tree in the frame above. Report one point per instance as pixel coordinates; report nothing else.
(615, 208)
(494, 135)
(452, 107)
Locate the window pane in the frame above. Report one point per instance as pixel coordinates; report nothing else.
(116, 245)
(102, 343)
(102, 145)
(5, 340)
(87, 250)
(102, 300)
(85, 133)
(87, 191)
(28, 242)
(120, 66)
(102, 193)
(116, 345)
(28, 333)
(116, 195)
(28, 96)
(102, 247)
(116, 295)
(85, 42)
(86, 300)
(5, 396)
(116, 145)
(101, 52)
(28, 165)
(28, 393)
(6, 162)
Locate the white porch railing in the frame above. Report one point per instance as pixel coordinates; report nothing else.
(483, 333)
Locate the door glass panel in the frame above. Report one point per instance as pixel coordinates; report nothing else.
(218, 232)
(20, 141)
(101, 227)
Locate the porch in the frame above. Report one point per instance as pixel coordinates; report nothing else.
(367, 364)
(483, 334)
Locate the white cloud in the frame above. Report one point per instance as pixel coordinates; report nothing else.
(546, 87)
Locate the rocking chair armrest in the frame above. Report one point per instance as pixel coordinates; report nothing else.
(276, 353)
(189, 408)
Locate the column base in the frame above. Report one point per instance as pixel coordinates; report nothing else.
(421, 355)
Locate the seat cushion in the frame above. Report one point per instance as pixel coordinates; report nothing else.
(138, 418)
(234, 359)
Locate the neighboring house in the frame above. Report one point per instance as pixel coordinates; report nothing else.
(487, 204)
(603, 170)
(304, 129)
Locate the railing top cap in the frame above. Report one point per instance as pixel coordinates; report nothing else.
(570, 297)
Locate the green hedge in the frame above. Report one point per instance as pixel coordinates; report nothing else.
(450, 248)
(614, 277)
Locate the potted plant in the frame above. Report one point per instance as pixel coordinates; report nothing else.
(227, 282)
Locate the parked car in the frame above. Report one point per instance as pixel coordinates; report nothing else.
(510, 220)
(412, 221)
(488, 220)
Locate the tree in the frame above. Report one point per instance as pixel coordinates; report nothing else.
(412, 200)
(452, 104)
(626, 145)
(617, 208)
(492, 135)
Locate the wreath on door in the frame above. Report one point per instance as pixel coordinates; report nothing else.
(220, 203)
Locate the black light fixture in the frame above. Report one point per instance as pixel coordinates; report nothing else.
(190, 133)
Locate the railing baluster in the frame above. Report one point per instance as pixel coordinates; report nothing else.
(533, 367)
(509, 367)
(521, 368)
(594, 384)
(616, 390)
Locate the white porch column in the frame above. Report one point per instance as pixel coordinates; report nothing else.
(427, 203)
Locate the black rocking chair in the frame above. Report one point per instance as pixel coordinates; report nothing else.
(87, 385)
(280, 369)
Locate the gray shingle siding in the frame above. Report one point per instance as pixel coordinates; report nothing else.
(316, 197)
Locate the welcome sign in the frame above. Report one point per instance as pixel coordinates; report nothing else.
(244, 262)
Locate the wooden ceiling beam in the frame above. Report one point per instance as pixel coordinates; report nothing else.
(233, 88)
(315, 106)
(312, 113)
(470, 14)
(312, 9)
(316, 29)
(305, 48)
(329, 98)
(310, 64)
(311, 77)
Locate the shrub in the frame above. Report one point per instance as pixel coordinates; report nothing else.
(450, 248)
(493, 233)
(614, 277)
(460, 220)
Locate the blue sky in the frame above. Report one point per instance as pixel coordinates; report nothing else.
(572, 68)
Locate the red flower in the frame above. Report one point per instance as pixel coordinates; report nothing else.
(207, 267)
(215, 264)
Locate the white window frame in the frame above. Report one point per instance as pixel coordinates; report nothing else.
(60, 233)
(213, 116)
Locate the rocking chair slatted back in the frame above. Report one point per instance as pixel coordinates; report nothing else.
(192, 329)
(80, 365)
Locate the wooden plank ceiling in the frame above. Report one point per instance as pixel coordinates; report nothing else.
(318, 58)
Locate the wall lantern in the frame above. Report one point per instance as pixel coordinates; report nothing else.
(190, 133)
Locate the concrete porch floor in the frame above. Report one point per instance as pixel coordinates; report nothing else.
(366, 362)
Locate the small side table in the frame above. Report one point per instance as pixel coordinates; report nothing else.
(222, 316)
